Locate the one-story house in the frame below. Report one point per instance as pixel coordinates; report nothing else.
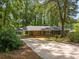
(41, 30)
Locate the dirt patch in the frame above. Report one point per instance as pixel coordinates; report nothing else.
(24, 52)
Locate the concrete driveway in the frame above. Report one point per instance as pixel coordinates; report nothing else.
(53, 50)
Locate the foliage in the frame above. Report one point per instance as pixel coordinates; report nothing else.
(8, 39)
(74, 37)
(18, 13)
(32, 12)
(76, 27)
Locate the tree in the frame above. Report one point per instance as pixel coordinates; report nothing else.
(64, 8)
(12, 11)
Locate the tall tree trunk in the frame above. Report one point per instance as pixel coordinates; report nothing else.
(62, 27)
(61, 18)
(65, 16)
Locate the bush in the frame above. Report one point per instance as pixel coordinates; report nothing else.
(74, 37)
(8, 39)
(76, 27)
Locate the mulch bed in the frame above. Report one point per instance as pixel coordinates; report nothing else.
(24, 52)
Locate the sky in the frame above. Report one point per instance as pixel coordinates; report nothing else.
(78, 13)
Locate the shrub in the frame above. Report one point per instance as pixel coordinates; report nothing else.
(8, 39)
(76, 27)
(74, 37)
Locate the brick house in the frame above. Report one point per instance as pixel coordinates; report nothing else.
(41, 30)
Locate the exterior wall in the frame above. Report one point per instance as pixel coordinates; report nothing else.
(44, 33)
